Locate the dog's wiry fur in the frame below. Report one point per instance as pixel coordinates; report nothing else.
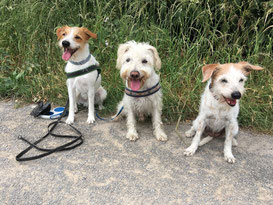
(219, 106)
(85, 89)
(141, 59)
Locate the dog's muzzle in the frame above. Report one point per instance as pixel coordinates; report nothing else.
(234, 96)
(68, 52)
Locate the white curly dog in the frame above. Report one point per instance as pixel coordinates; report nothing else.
(219, 106)
(137, 63)
(84, 87)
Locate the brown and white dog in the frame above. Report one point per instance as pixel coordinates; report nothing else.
(219, 106)
(85, 89)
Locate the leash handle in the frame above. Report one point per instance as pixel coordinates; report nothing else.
(51, 127)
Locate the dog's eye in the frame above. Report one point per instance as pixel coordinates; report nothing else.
(241, 80)
(144, 61)
(64, 34)
(224, 81)
(128, 60)
(77, 37)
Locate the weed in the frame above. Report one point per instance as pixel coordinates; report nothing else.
(187, 34)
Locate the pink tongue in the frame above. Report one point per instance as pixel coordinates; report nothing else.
(135, 85)
(66, 55)
(232, 101)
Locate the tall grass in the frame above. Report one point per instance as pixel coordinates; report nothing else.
(187, 34)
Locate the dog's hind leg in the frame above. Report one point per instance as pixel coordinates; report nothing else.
(191, 132)
(199, 123)
(100, 96)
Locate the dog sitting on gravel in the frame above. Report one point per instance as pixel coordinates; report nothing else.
(137, 63)
(82, 69)
(219, 106)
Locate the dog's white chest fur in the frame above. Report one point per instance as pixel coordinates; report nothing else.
(82, 83)
(216, 114)
(137, 62)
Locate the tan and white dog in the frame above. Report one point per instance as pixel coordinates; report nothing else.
(137, 63)
(219, 106)
(85, 89)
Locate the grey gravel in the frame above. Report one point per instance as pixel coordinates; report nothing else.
(109, 169)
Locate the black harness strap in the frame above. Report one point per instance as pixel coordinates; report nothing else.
(77, 141)
(84, 71)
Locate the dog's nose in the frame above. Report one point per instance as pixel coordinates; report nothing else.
(65, 44)
(134, 74)
(236, 95)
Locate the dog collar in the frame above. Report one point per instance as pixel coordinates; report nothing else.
(84, 71)
(81, 62)
(143, 93)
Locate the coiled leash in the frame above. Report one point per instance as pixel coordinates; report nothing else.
(77, 141)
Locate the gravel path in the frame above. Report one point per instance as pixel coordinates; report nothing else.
(109, 169)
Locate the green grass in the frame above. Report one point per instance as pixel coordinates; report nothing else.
(187, 34)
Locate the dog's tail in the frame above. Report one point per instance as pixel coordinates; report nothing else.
(208, 139)
(205, 140)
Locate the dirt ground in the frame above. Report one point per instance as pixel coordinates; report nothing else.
(109, 169)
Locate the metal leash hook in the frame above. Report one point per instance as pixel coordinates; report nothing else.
(112, 117)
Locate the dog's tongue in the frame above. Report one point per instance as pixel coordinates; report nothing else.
(66, 55)
(135, 85)
(233, 102)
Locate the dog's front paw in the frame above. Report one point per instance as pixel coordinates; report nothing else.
(161, 136)
(189, 133)
(189, 151)
(132, 136)
(230, 158)
(90, 120)
(69, 120)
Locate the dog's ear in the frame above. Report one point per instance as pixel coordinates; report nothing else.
(88, 34)
(60, 31)
(208, 70)
(123, 48)
(157, 60)
(247, 67)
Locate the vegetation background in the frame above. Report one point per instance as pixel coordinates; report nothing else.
(187, 34)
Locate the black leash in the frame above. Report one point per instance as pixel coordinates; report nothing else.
(77, 141)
